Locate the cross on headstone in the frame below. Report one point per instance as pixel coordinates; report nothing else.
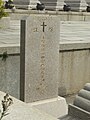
(43, 26)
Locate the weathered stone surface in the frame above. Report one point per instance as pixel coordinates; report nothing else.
(9, 71)
(39, 57)
(5, 22)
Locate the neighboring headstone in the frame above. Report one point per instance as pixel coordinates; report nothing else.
(83, 5)
(40, 36)
(60, 4)
(22, 4)
(80, 110)
(74, 4)
(21, 111)
(33, 4)
(49, 4)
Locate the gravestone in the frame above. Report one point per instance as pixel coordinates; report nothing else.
(39, 58)
(33, 4)
(74, 4)
(40, 36)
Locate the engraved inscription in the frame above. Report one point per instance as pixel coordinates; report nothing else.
(42, 64)
(43, 26)
(41, 87)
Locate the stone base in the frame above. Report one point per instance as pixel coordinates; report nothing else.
(56, 107)
(21, 111)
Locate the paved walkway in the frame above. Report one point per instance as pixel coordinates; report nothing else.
(70, 32)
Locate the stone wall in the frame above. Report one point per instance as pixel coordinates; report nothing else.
(5, 22)
(74, 67)
(63, 16)
(9, 71)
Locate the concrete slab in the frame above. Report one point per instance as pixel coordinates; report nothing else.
(50, 106)
(21, 111)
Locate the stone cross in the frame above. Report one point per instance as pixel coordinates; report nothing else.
(39, 58)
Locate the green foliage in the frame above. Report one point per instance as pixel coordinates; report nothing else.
(4, 56)
(2, 12)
